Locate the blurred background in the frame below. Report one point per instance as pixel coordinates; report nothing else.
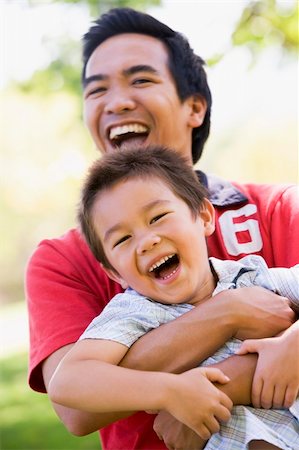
(251, 51)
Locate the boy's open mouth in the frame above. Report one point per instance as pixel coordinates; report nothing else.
(165, 267)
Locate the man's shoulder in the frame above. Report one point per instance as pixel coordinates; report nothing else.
(225, 193)
(267, 191)
(68, 250)
(70, 241)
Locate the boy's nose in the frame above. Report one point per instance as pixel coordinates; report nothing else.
(146, 243)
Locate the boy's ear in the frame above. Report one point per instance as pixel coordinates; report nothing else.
(113, 275)
(198, 109)
(207, 213)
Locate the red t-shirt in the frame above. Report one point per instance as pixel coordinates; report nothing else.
(66, 287)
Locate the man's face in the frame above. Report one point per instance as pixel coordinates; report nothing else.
(130, 97)
(153, 242)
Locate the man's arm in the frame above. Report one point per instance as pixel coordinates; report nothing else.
(184, 342)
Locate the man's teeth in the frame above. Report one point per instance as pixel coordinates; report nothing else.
(124, 129)
(160, 262)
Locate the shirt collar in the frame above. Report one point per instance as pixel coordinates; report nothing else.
(228, 272)
(222, 192)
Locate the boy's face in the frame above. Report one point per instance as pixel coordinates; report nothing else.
(153, 242)
(130, 97)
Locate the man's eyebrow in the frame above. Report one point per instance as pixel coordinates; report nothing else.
(127, 72)
(140, 68)
(98, 77)
(118, 226)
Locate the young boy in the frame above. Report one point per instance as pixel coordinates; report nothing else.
(146, 218)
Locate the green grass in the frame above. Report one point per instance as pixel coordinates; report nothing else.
(27, 420)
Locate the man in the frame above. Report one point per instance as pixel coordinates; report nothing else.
(143, 84)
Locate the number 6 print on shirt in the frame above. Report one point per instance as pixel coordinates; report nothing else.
(241, 236)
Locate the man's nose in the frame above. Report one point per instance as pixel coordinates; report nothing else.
(147, 243)
(119, 101)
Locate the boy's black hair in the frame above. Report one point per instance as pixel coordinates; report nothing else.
(185, 66)
(158, 162)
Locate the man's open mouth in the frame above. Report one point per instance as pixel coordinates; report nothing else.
(131, 134)
(165, 267)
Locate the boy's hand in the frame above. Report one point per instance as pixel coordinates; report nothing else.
(196, 402)
(276, 378)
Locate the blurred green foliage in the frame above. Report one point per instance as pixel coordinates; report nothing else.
(263, 23)
(44, 150)
(64, 71)
(27, 420)
(97, 7)
(266, 23)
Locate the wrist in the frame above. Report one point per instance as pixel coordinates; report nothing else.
(230, 312)
(240, 370)
(291, 333)
(165, 392)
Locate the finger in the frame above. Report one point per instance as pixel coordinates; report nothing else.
(223, 414)
(213, 425)
(257, 387)
(202, 431)
(226, 401)
(290, 396)
(156, 429)
(152, 411)
(216, 375)
(248, 346)
(169, 446)
(267, 396)
(278, 397)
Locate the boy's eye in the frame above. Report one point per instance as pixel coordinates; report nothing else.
(158, 217)
(121, 240)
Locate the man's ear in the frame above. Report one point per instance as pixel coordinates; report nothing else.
(207, 214)
(198, 108)
(113, 275)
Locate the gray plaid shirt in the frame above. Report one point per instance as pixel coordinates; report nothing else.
(129, 315)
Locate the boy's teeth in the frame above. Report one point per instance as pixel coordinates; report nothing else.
(170, 274)
(160, 262)
(132, 128)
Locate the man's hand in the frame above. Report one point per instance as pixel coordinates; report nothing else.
(276, 378)
(175, 434)
(261, 313)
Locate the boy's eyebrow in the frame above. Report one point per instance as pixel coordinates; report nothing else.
(127, 72)
(145, 208)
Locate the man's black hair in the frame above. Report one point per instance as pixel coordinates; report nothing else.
(185, 66)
